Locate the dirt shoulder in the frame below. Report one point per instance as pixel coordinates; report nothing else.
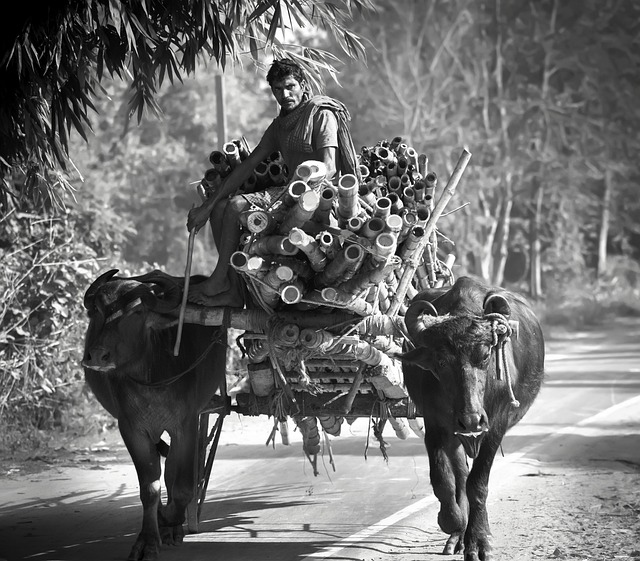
(561, 511)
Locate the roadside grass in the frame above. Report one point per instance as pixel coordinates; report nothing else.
(589, 306)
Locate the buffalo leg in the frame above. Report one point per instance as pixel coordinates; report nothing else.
(180, 477)
(477, 539)
(146, 460)
(448, 472)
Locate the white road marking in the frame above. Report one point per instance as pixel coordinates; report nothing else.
(373, 529)
(609, 412)
(416, 507)
(594, 382)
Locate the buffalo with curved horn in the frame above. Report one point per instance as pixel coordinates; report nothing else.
(130, 367)
(477, 366)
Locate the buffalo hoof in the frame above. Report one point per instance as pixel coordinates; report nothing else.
(475, 556)
(454, 545)
(479, 551)
(172, 535)
(144, 550)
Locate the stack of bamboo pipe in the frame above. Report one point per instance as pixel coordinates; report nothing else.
(310, 244)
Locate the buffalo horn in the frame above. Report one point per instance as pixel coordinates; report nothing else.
(144, 292)
(497, 304)
(91, 292)
(169, 287)
(415, 325)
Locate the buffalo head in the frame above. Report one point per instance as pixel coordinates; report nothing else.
(453, 341)
(122, 313)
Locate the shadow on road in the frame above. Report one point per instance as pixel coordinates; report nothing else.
(229, 529)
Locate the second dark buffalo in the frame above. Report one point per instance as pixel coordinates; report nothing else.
(477, 366)
(130, 366)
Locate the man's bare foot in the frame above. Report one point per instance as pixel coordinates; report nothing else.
(229, 294)
(230, 299)
(208, 288)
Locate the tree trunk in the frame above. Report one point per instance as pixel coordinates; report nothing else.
(604, 224)
(501, 244)
(535, 283)
(489, 235)
(221, 112)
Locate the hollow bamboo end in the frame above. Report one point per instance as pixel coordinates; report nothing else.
(394, 222)
(348, 181)
(284, 273)
(216, 157)
(297, 236)
(230, 149)
(423, 214)
(355, 223)
(394, 183)
(291, 294)
(257, 222)
(239, 260)
(329, 294)
(353, 253)
(304, 171)
(297, 188)
(385, 241)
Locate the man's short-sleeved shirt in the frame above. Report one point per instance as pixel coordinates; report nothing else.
(325, 135)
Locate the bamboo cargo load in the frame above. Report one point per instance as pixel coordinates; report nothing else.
(329, 270)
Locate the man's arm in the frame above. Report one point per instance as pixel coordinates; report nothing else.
(328, 156)
(325, 140)
(198, 216)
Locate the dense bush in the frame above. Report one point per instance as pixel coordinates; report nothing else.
(46, 266)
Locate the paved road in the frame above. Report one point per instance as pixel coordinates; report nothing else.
(264, 504)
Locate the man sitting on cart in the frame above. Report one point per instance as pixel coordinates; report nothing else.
(307, 128)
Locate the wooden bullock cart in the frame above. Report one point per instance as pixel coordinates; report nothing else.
(328, 273)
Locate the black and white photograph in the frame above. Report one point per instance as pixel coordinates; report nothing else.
(304, 280)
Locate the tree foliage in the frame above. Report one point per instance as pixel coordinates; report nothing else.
(138, 182)
(542, 93)
(52, 64)
(79, 70)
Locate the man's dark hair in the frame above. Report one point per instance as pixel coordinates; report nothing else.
(281, 69)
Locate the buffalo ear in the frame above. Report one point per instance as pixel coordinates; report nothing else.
(496, 303)
(418, 357)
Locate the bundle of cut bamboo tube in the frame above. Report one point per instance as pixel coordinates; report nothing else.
(310, 244)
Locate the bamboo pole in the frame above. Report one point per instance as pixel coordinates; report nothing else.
(256, 320)
(185, 291)
(429, 227)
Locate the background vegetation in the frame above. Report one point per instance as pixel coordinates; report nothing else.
(542, 93)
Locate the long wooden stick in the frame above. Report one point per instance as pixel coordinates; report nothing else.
(185, 292)
(430, 226)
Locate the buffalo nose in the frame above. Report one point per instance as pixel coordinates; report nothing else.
(98, 355)
(472, 422)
